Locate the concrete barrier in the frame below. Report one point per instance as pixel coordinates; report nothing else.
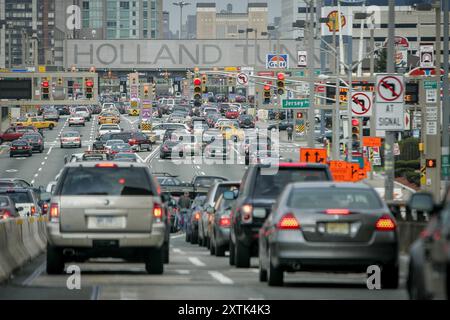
(15, 245)
(34, 229)
(29, 239)
(6, 262)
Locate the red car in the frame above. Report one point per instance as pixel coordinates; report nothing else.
(232, 114)
(15, 132)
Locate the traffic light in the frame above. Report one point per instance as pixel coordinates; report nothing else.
(89, 84)
(45, 90)
(431, 163)
(146, 90)
(356, 133)
(267, 94)
(60, 81)
(154, 89)
(204, 81)
(70, 87)
(197, 89)
(280, 83)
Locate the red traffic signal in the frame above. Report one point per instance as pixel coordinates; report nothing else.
(431, 163)
(355, 122)
(266, 87)
(45, 84)
(197, 82)
(280, 76)
(89, 83)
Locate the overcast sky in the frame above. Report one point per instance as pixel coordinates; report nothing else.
(238, 6)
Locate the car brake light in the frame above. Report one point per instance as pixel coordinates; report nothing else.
(225, 221)
(385, 223)
(157, 211)
(337, 211)
(54, 210)
(5, 214)
(288, 222)
(33, 210)
(13, 148)
(106, 165)
(197, 216)
(247, 210)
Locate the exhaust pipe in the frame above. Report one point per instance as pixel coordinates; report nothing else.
(69, 252)
(296, 266)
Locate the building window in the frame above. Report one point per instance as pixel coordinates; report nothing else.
(134, 32)
(134, 22)
(85, 5)
(125, 5)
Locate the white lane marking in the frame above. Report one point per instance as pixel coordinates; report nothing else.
(151, 155)
(128, 295)
(28, 281)
(32, 181)
(176, 250)
(45, 158)
(220, 277)
(36, 175)
(254, 270)
(49, 150)
(196, 261)
(42, 163)
(11, 170)
(140, 158)
(182, 271)
(95, 293)
(177, 236)
(40, 169)
(203, 173)
(198, 167)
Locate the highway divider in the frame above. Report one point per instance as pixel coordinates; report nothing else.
(21, 240)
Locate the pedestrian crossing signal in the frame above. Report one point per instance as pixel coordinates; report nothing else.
(431, 163)
(280, 83)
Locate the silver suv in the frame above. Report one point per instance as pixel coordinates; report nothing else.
(106, 209)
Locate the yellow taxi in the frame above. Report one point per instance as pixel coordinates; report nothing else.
(229, 131)
(37, 122)
(107, 117)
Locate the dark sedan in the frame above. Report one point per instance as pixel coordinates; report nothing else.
(7, 208)
(328, 226)
(282, 125)
(35, 140)
(167, 148)
(193, 218)
(246, 121)
(20, 147)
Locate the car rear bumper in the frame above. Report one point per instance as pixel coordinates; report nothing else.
(71, 144)
(222, 236)
(288, 250)
(125, 239)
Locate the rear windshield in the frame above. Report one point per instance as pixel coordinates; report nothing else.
(19, 143)
(33, 137)
(19, 197)
(4, 202)
(70, 134)
(106, 181)
(334, 198)
(206, 181)
(122, 136)
(109, 127)
(270, 186)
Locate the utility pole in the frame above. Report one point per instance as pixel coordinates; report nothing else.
(181, 4)
(389, 164)
(446, 100)
(311, 110)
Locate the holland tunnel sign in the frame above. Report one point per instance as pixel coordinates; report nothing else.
(171, 54)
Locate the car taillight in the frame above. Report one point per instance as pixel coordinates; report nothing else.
(5, 214)
(337, 211)
(247, 210)
(13, 148)
(39, 141)
(33, 210)
(54, 210)
(157, 211)
(385, 223)
(288, 222)
(166, 148)
(106, 165)
(197, 216)
(225, 221)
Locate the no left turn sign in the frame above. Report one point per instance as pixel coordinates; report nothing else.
(390, 88)
(242, 79)
(362, 103)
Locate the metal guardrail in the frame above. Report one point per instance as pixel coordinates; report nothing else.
(410, 223)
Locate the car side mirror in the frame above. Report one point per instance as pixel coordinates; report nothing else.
(229, 195)
(19, 208)
(422, 201)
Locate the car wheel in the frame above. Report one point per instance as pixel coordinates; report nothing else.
(30, 154)
(194, 238)
(84, 124)
(188, 237)
(220, 250)
(212, 247)
(275, 275)
(138, 149)
(232, 253)
(206, 242)
(262, 272)
(389, 277)
(11, 155)
(166, 252)
(79, 146)
(61, 146)
(70, 125)
(155, 262)
(242, 256)
(41, 150)
(55, 260)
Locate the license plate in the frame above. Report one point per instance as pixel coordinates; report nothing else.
(20, 148)
(338, 228)
(106, 222)
(259, 213)
(145, 146)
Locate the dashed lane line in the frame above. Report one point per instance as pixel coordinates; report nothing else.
(28, 281)
(196, 262)
(220, 277)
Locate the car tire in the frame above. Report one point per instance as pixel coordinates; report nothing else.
(79, 146)
(11, 155)
(70, 125)
(166, 252)
(155, 262)
(232, 254)
(206, 242)
(84, 124)
(188, 237)
(242, 256)
(220, 250)
(212, 247)
(262, 272)
(55, 260)
(389, 277)
(275, 275)
(41, 150)
(30, 154)
(415, 284)
(51, 126)
(61, 146)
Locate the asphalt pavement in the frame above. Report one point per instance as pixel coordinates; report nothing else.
(192, 273)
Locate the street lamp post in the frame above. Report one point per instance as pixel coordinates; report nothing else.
(181, 4)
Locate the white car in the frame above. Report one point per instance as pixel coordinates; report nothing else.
(160, 128)
(106, 128)
(77, 119)
(70, 139)
(84, 111)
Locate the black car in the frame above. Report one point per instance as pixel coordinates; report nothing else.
(246, 121)
(260, 187)
(20, 147)
(166, 149)
(283, 125)
(137, 140)
(431, 252)
(63, 110)
(35, 140)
